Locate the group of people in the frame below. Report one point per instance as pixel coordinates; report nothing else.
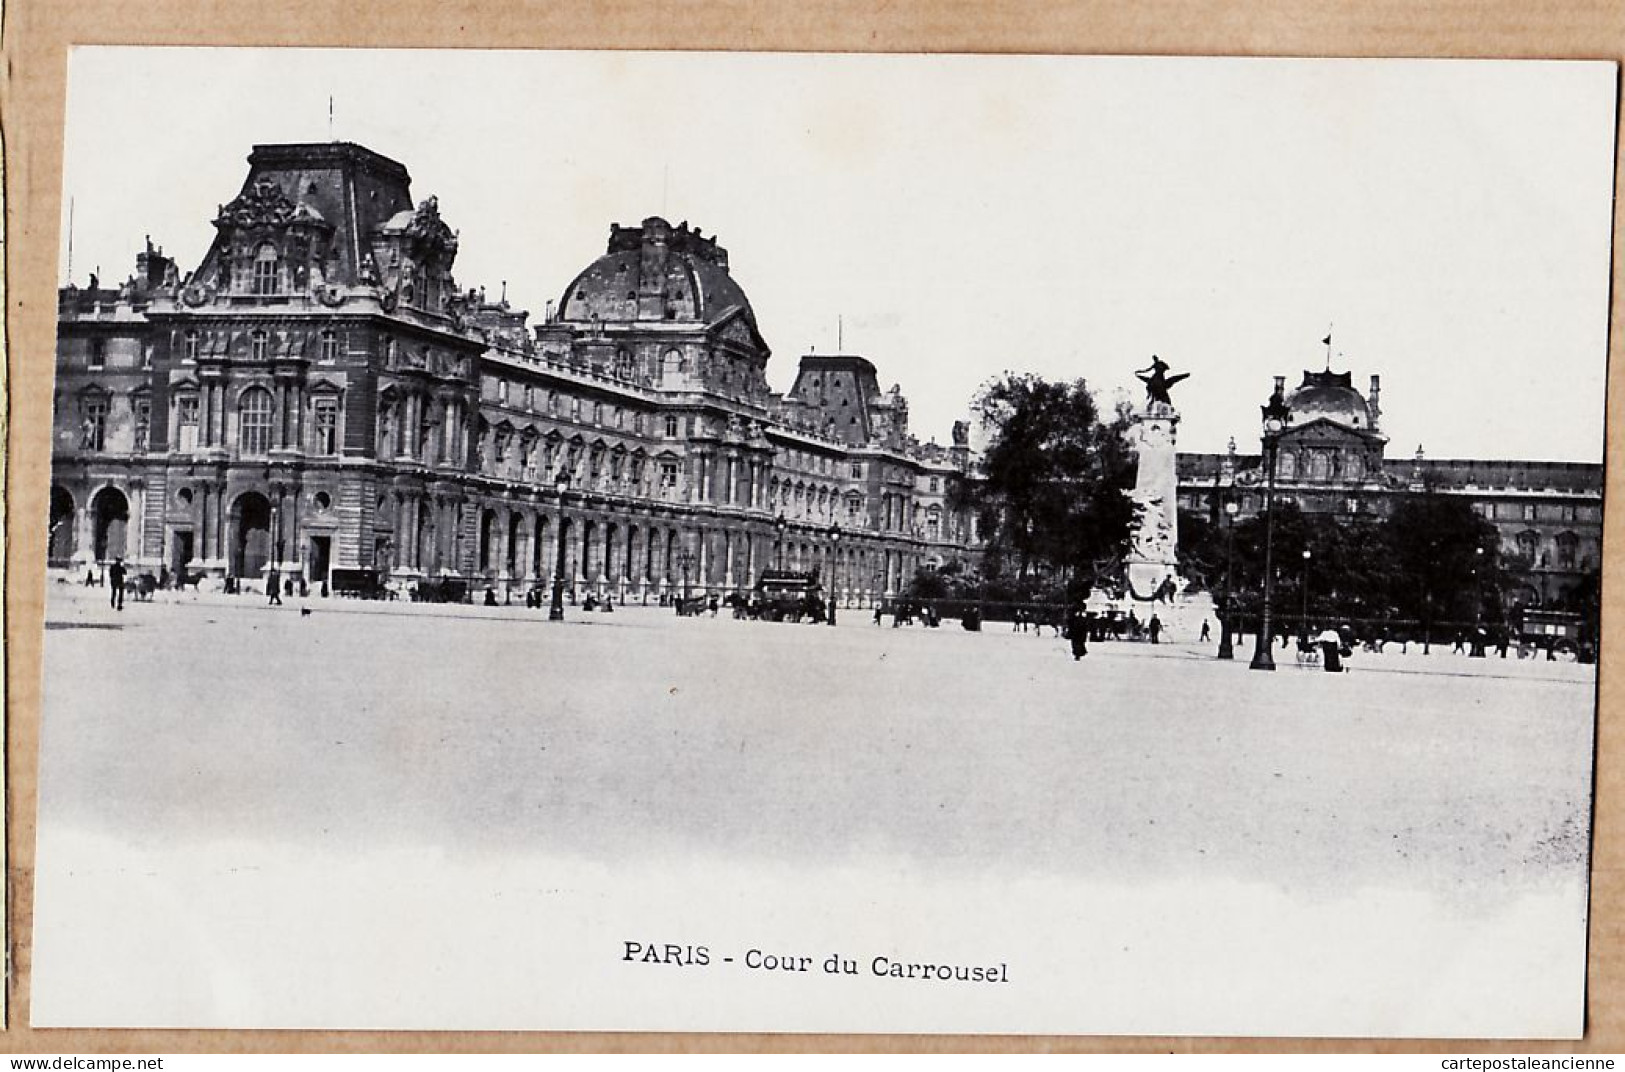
(907, 613)
(1083, 625)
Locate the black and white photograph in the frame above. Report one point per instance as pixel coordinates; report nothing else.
(656, 541)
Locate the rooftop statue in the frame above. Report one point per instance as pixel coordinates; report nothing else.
(1157, 381)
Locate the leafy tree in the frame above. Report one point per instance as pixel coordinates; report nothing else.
(1432, 560)
(1053, 494)
(1445, 560)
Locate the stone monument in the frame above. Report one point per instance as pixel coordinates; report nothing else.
(1153, 561)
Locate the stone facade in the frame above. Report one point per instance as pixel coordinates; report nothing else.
(1333, 461)
(319, 394)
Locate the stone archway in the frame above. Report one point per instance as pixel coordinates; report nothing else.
(110, 514)
(64, 517)
(251, 534)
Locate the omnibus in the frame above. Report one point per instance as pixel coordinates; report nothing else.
(1554, 630)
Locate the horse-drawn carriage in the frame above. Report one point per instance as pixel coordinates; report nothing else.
(789, 595)
(359, 583)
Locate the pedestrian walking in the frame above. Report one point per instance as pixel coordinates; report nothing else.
(1207, 634)
(1331, 651)
(1155, 628)
(1077, 633)
(115, 581)
(273, 585)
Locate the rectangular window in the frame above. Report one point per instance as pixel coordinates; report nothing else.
(257, 345)
(502, 390)
(326, 420)
(530, 397)
(857, 471)
(95, 429)
(935, 485)
(98, 353)
(330, 347)
(575, 409)
(186, 422)
(671, 427)
(668, 474)
(191, 346)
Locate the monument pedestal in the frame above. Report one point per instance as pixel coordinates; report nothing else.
(1153, 559)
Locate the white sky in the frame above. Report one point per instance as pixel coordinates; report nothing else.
(1067, 216)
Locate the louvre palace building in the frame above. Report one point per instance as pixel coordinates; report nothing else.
(1333, 461)
(318, 394)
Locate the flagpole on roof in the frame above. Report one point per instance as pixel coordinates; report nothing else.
(1328, 341)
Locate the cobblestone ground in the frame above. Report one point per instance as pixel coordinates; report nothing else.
(636, 738)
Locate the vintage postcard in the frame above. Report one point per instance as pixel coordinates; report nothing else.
(747, 542)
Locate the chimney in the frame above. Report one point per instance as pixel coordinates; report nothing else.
(1374, 401)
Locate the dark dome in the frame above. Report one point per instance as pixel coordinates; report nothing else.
(1329, 396)
(656, 272)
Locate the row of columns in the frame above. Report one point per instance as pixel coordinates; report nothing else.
(520, 546)
(446, 436)
(212, 418)
(290, 403)
(732, 480)
(288, 397)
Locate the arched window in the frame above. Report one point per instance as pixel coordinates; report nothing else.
(254, 412)
(1320, 466)
(267, 267)
(1288, 466)
(1355, 467)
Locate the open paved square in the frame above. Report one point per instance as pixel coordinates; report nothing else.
(234, 797)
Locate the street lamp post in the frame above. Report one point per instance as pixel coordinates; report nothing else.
(1275, 417)
(555, 613)
(834, 570)
(779, 526)
(1226, 649)
(1303, 624)
(685, 562)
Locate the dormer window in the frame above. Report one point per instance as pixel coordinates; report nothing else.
(267, 267)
